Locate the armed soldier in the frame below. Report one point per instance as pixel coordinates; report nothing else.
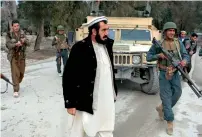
(191, 47)
(17, 42)
(169, 79)
(60, 41)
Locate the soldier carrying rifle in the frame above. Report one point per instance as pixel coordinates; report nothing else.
(17, 42)
(169, 79)
(60, 41)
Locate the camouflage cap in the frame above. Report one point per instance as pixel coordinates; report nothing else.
(169, 25)
(60, 27)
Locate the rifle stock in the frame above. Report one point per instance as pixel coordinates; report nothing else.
(175, 63)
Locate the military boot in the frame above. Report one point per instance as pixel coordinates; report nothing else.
(169, 128)
(159, 109)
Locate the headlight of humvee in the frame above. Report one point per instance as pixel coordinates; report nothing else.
(136, 59)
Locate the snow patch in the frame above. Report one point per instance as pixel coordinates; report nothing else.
(188, 115)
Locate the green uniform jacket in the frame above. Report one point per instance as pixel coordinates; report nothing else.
(61, 43)
(11, 40)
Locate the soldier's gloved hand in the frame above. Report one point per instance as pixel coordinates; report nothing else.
(182, 63)
(162, 56)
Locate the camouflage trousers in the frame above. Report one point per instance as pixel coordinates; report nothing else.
(17, 72)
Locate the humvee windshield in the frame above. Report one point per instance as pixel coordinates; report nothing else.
(111, 34)
(135, 35)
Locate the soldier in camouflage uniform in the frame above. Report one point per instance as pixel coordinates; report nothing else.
(60, 41)
(169, 79)
(17, 42)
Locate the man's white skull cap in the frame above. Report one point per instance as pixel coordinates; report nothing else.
(95, 20)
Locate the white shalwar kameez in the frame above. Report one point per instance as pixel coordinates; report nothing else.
(103, 120)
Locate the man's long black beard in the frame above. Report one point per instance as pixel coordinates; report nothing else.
(99, 40)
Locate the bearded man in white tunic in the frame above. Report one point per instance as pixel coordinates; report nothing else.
(89, 83)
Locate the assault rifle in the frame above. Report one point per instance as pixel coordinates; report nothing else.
(175, 63)
(21, 48)
(7, 80)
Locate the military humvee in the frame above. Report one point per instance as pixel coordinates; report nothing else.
(132, 39)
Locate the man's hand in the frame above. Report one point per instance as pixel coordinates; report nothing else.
(182, 63)
(187, 46)
(18, 44)
(71, 111)
(191, 53)
(162, 56)
(23, 40)
(57, 39)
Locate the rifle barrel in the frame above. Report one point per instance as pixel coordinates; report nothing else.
(175, 64)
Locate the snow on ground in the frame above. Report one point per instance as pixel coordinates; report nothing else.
(188, 111)
(39, 111)
(188, 115)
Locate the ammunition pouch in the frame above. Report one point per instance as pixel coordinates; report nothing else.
(170, 70)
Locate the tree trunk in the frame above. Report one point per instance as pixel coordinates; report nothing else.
(40, 35)
(9, 11)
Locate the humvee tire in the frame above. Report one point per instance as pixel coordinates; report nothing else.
(152, 87)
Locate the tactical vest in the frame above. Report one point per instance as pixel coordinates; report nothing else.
(62, 44)
(172, 47)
